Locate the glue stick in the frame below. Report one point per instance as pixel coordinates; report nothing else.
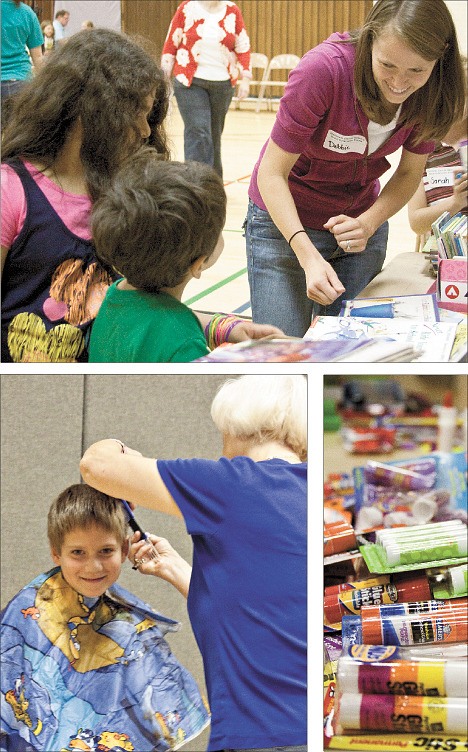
(374, 593)
(447, 424)
(403, 714)
(415, 623)
(441, 547)
(428, 529)
(338, 537)
(380, 670)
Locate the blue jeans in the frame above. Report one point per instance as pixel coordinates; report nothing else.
(277, 281)
(8, 89)
(203, 106)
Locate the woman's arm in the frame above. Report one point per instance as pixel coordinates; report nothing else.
(421, 215)
(126, 475)
(37, 57)
(394, 196)
(169, 565)
(323, 284)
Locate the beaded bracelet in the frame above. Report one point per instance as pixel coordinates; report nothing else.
(219, 328)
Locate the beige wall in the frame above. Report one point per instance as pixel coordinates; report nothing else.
(47, 421)
(459, 11)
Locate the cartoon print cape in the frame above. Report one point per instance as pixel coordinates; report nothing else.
(91, 675)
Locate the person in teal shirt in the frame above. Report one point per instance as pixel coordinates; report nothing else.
(21, 31)
(159, 226)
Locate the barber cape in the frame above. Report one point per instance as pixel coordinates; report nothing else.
(92, 675)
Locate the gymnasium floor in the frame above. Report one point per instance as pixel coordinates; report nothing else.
(224, 287)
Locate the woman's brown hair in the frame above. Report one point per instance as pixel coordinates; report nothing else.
(101, 79)
(427, 27)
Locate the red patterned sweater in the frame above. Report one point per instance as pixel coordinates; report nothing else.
(185, 36)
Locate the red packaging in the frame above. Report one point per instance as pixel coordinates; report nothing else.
(338, 537)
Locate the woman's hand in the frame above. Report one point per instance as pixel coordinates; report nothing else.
(169, 565)
(351, 234)
(323, 284)
(249, 330)
(243, 88)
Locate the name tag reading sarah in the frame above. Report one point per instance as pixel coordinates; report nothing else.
(344, 144)
(437, 177)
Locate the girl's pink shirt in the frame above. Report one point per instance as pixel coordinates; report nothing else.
(73, 210)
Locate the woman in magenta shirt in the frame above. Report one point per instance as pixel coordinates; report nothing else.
(317, 226)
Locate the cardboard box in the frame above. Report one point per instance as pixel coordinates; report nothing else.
(452, 283)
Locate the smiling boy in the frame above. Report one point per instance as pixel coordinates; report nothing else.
(81, 655)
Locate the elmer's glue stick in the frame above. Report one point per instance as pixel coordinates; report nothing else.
(415, 623)
(403, 714)
(380, 670)
(375, 592)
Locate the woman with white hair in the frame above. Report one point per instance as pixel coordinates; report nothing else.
(246, 513)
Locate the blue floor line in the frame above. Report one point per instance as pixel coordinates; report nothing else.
(242, 307)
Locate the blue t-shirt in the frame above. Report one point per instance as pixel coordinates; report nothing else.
(247, 597)
(20, 29)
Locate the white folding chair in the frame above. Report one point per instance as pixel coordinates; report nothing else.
(278, 62)
(258, 61)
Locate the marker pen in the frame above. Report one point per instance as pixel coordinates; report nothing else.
(415, 623)
(403, 714)
(380, 670)
(414, 552)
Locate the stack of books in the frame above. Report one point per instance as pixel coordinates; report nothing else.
(450, 233)
(403, 328)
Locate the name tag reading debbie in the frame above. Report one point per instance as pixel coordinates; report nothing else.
(344, 144)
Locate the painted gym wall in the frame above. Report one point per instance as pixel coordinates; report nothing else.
(47, 422)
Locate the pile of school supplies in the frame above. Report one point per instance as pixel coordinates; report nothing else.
(396, 610)
(413, 320)
(394, 329)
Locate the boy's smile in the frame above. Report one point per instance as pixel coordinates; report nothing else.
(91, 559)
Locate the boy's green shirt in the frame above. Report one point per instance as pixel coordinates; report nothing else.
(133, 326)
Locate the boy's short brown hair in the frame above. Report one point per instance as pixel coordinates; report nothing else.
(81, 506)
(157, 218)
